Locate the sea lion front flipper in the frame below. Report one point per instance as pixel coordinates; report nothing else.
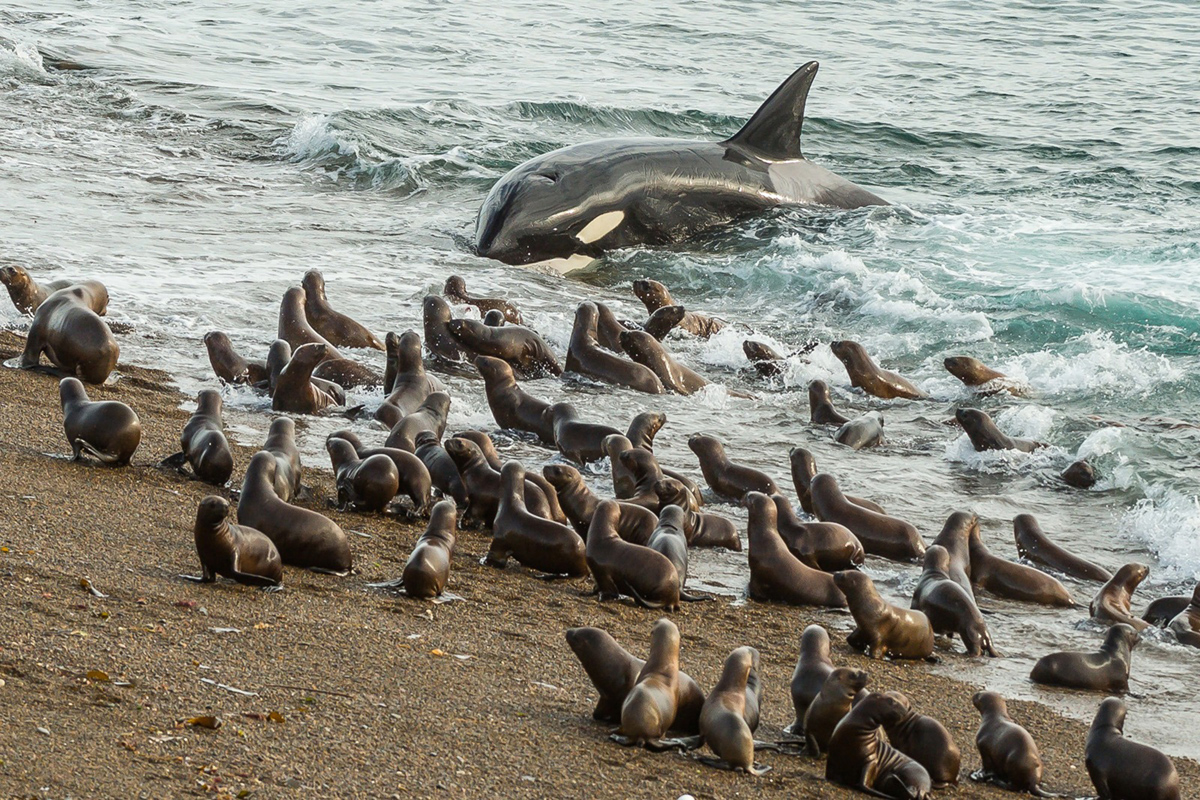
(394, 583)
(772, 746)
(341, 573)
(198, 578)
(682, 742)
(176, 461)
(712, 761)
(624, 741)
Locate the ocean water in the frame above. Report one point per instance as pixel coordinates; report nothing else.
(1041, 158)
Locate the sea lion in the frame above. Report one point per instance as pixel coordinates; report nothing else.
(1112, 603)
(610, 667)
(1186, 624)
(726, 478)
(635, 523)
(1080, 475)
(830, 704)
(660, 693)
(804, 469)
(730, 714)
(656, 296)
(280, 355)
(672, 490)
(860, 758)
(537, 543)
(25, 292)
(304, 538)
(1033, 545)
(484, 485)
(865, 374)
(644, 349)
(293, 325)
(428, 567)
(536, 479)
(1122, 769)
(813, 666)
(586, 357)
(949, 607)
(709, 530)
(203, 444)
(1106, 671)
(230, 367)
(1160, 612)
(237, 552)
(338, 329)
(281, 444)
(621, 568)
(429, 416)
(926, 741)
(669, 539)
(442, 469)
(625, 484)
(67, 328)
(776, 574)
(977, 375)
(348, 374)
(883, 629)
(663, 321)
(521, 347)
(860, 432)
(879, 534)
(820, 404)
(608, 328)
(955, 539)
(494, 318)
(1014, 581)
(984, 434)
(1009, 754)
(404, 379)
(644, 427)
(108, 431)
(294, 391)
(416, 481)
(825, 546)
(582, 442)
(765, 359)
(455, 291)
(512, 407)
(368, 483)
(435, 313)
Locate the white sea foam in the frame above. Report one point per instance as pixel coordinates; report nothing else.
(20, 58)
(1093, 362)
(313, 137)
(1167, 522)
(1023, 422)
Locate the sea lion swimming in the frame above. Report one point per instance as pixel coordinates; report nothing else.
(230, 367)
(926, 741)
(1080, 475)
(860, 432)
(621, 568)
(1034, 545)
(416, 481)
(860, 758)
(608, 328)
(293, 325)
(829, 706)
(820, 405)
(435, 313)
(1010, 756)
(368, 483)
(804, 469)
(950, 608)
(726, 478)
(826, 546)
(865, 374)
(237, 552)
(1122, 769)
(883, 629)
(108, 431)
(644, 427)
(1186, 624)
(512, 407)
(586, 357)
(1112, 603)
(776, 574)
(656, 296)
(278, 358)
(338, 329)
(203, 444)
(1106, 671)
(537, 543)
(663, 321)
(984, 434)
(879, 534)
(455, 290)
(644, 349)
(26, 293)
(730, 714)
(69, 331)
(660, 695)
(976, 375)
(1011, 580)
(428, 567)
(521, 347)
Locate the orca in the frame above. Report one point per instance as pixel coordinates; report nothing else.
(565, 208)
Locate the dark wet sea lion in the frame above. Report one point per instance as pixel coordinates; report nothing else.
(859, 757)
(644, 427)
(656, 296)
(663, 321)
(537, 543)
(435, 314)
(68, 330)
(338, 329)
(108, 431)
(348, 374)
(1186, 624)
(955, 539)
(926, 741)
(644, 349)
(724, 477)
(826, 546)
(813, 666)
(882, 628)
(280, 355)
(682, 493)
(481, 479)
(621, 568)
(710, 530)
(662, 697)
(539, 493)
(1106, 671)
(1160, 612)
(804, 469)
(950, 608)
(586, 357)
(764, 358)
(1009, 579)
(237, 552)
(442, 469)
(203, 444)
(669, 539)
(294, 391)
(831, 703)
(820, 404)
(1122, 769)
(860, 432)
(1010, 756)
(230, 367)
(611, 668)
(293, 324)
(512, 407)
(1033, 545)
(1080, 475)
(429, 416)
(975, 373)
(984, 434)
(416, 482)
(521, 347)
(582, 442)
(776, 574)
(25, 292)
(730, 714)
(625, 482)
(368, 483)
(1112, 603)
(281, 444)
(865, 374)
(879, 534)
(404, 380)
(608, 328)
(635, 524)
(494, 318)
(455, 291)
(428, 567)
(304, 538)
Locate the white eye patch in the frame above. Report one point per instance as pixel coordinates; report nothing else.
(601, 226)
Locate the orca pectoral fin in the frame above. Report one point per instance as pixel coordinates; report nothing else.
(774, 130)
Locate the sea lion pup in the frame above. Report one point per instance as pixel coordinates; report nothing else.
(512, 407)
(1160, 612)
(293, 324)
(338, 329)
(726, 478)
(926, 741)
(701, 528)
(1106, 671)
(820, 404)
(428, 567)
(1011, 580)
(610, 667)
(416, 481)
(281, 444)
(608, 328)
(644, 349)
(586, 357)
(237, 552)
(494, 318)
(429, 416)
(831, 703)
(804, 469)
(882, 628)
(537, 543)
(1122, 769)
(669, 539)
(533, 499)
(730, 714)
(879, 534)
(621, 568)
(663, 321)
(280, 355)
(202, 444)
(865, 374)
(404, 379)
(294, 391)
(304, 538)
(442, 469)
(656, 296)
(662, 697)
(860, 432)
(860, 757)
(1112, 604)
(1080, 475)
(230, 367)
(67, 328)
(582, 442)
(368, 483)
(635, 523)
(826, 546)
(625, 484)
(813, 666)
(766, 361)
(955, 538)
(1010, 756)
(455, 291)
(984, 434)
(1186, 624)
(521, 347)
(671, 489)
(25, 292)
(644, 427)
(435, 313)
(949, 607)
(484, 485)
(108, 431)
(776, 574)
(1033, 545)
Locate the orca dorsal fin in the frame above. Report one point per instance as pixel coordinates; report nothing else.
(774, 130)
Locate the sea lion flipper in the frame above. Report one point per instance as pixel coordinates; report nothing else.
(250, 579)
(341, 573)
(104, 458)
(176, 461)
(693, 598)
(395, 583)
(772, 746)
(198, 578)
(681, 742)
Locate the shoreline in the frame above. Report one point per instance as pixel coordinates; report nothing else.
(374, 697)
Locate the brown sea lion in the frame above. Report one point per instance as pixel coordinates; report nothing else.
(663, 321)
(108, 431)
(882, 628)
(512, 407)
(281, 444)
(860, 757)
(926, 741)
(635, 523)
(1033, 545)
(67, 328)
(621, 568)
(860, 432)
(672, 490)
(975, 374)
(949, 607)
(485, 486)
(338, 329)
(820, 404)
(494, 318)
(955, 539)
(237, 552)
(1112, 604)
(726, 478)
(825, 546)
(416, 482)
(610, 667)
(442, 469)
(586, 357)
(1011, 580)
(280, 355)
(1106, 671)
(304, 538)
(804, 469)
(984, 434)
(1160, 612)
(776, 574)
(582, 442)
(368, 483)
(608, 328)
(537, 543)
(294, 391)
(879, 534)
(831, 703)
(765, 359)
(522, 348)
(552, 507)
(730, 714)
(644, 349)
(1010, 756)
(429, 416)
(710, 530)
(1080, 475)
(203, 445)
(670, 540)
(404, 379)
(230, 367)
(348, 374)
(428, 567)
(662, 697)
(455, 291)
(1186, 624)
(644, 427)
(656, 296)
(435, 314)
(293, 325)
(1122, 769)
(865, 374)
(813, 666)
(625, 484)
(25, 292)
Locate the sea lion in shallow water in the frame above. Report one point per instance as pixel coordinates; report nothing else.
(663, 321)
(883, 629)
(1011, 580)
(1122, 769)
(831, 703)
(879, 534)
(865, 374)
(512, 407)
(926, 741)
(1160, 612)
(1034, 545)
(294, 390)
(859, 757)
(644, 427)
(955, 539)
(280, 355)
(1080, 475)
(582, 442)
(68, 330)
(826, 546)
(522, 348)
(26, 293)
(820, 405)
(1112, 604)
(429, 416)
(230, 367)
(860, 432)
(1106, 671)
(455, 290)
(660, 693)
(237, 552)
(624, 479)
(108, 431)
(368, 484)
(1009, 754)
(293, 325)
(608, 328)
(951, 609)
(644, 349)
(813, 666)
(484, 484)
(804, 469)
(203, 444)
(337, 328)
(435, 313)
(984, 434)
(348, 374)
(977, 375)
(726, 478)
(537, 543)
(443, 472)
(656, 296)
(586, 357)
(621, 568)
(730, 714)
(776, 574)
(404, 378)
(1186, 624)
(416, 481)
